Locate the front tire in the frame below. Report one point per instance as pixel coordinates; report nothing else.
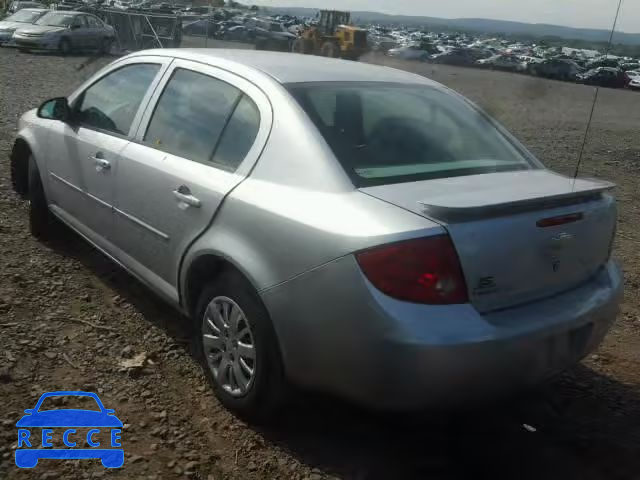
(237, 347)
(64, 47)
(19, 170)
(41, 220)
(105, 46)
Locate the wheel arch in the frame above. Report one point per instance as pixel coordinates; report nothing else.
(202, 269)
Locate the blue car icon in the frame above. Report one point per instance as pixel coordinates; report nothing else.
(27, 457)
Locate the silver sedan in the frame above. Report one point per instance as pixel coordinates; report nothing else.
(334, 225)
(20, 19)
(65, 32)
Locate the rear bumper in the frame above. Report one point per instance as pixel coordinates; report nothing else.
(339, 334)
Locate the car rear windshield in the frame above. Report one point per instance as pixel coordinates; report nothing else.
(392, 133)
(56, 20)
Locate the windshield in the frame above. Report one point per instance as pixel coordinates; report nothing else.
(24, 16)
(56, 20)
(390, 133)
(78, 402)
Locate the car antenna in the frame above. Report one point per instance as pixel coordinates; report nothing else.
(595, 98)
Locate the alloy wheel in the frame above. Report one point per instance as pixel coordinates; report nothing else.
(229, 346)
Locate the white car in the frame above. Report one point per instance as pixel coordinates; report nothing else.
(634, 84)
(411, 52)
(633, 74)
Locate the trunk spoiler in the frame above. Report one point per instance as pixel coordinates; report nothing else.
(466, 207)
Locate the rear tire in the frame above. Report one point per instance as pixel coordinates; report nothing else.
(330, 49)
(41, 221)
(267, 389)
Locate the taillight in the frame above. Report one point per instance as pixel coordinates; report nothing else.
(422, 270)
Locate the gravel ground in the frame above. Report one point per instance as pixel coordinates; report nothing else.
(70, 320)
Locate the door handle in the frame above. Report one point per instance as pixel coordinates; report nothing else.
(101, 163)
(184, 195)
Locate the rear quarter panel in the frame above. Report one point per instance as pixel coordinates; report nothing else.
(273, 233)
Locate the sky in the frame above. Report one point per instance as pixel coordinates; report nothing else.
(572, 13)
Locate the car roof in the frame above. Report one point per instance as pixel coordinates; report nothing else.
(70, 393)
(68, 12)
(291, 67)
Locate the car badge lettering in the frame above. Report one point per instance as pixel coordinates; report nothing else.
(485, 286)
(79, 446)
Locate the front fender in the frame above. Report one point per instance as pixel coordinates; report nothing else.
(31, 132)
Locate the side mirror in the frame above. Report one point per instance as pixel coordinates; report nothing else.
(55, 109)
(109, 411)
(29, 411)
(75, 26)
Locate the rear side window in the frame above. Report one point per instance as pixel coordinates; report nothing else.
(80, 21)
(239, 135)
(112, 102)
(203, 119)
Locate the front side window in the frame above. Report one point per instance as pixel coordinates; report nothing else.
(391, 133)
(80, 21)
(112, 102)
(191, 115)
(92, 22)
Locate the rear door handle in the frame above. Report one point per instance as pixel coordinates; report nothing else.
(101, 163)
(184, 195)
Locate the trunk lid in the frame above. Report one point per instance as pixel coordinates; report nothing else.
(520, 236)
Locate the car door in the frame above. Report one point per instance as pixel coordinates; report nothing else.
(199, 138)
(83, 153)
(94, 31)
(79, 32)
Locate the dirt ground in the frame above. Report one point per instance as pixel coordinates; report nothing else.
(69, 318)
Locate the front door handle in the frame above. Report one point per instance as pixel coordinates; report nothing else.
(101, 163)
(184, 195)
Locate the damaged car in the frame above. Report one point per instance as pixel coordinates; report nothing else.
(334, 225)
(605, 77)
